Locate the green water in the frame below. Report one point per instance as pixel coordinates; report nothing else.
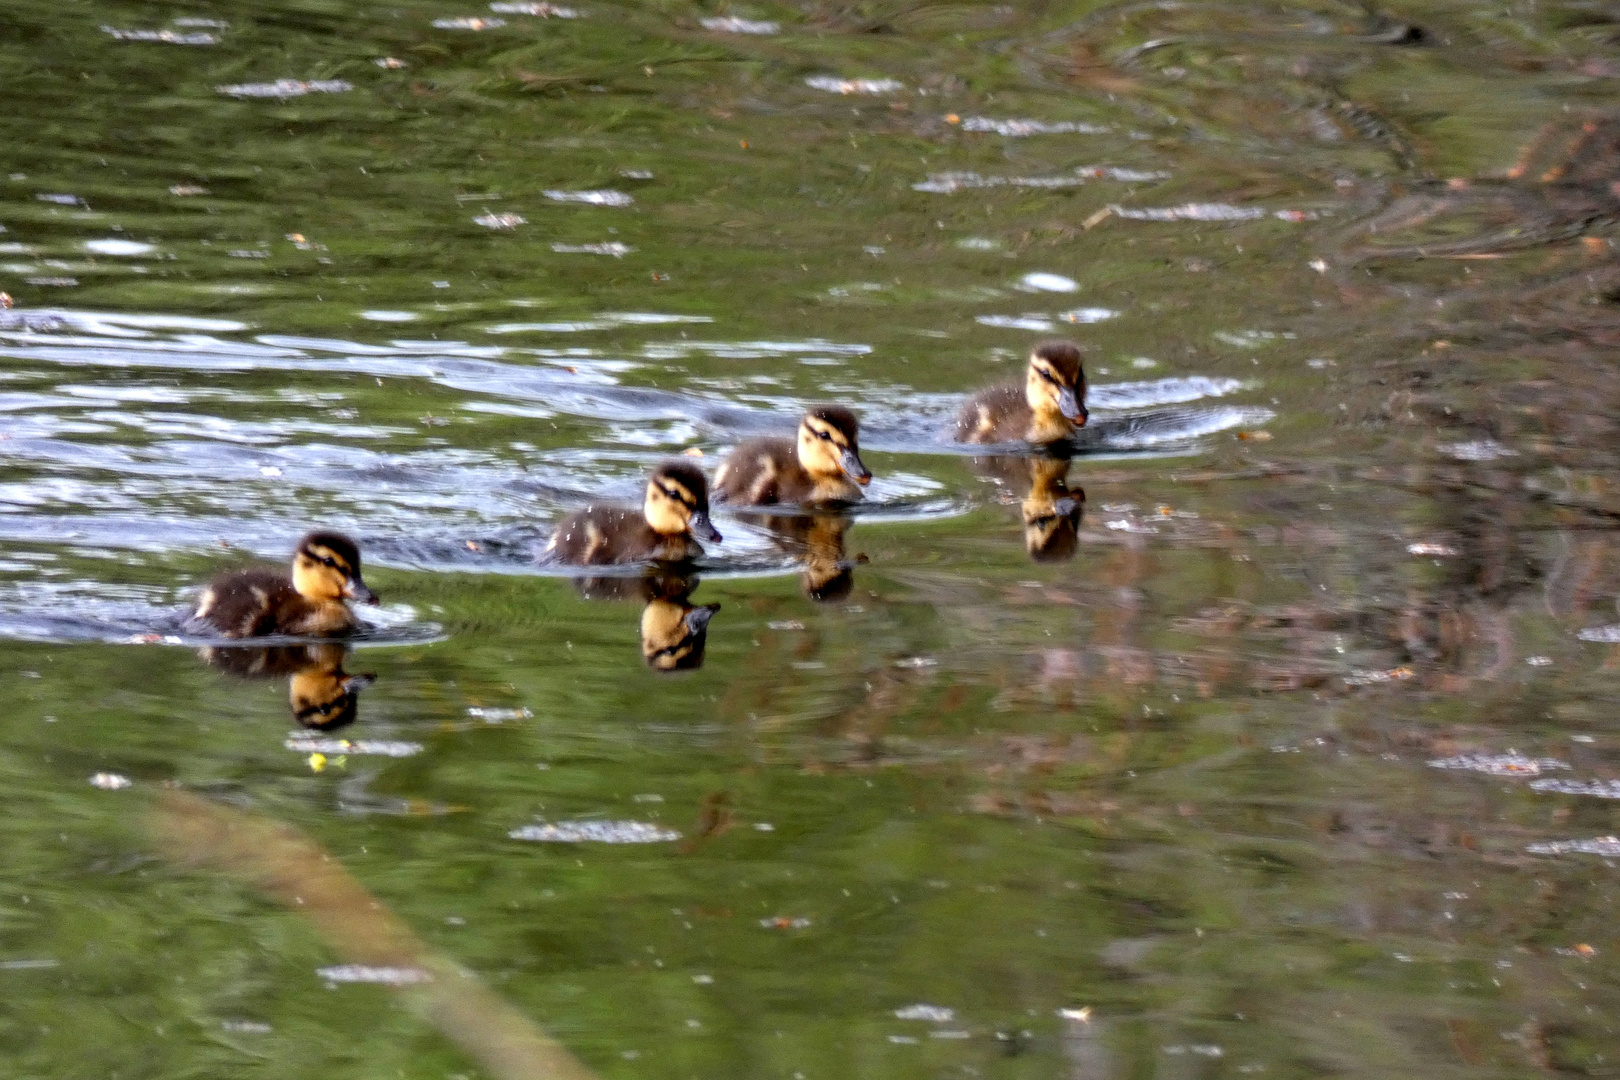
(1350, 507)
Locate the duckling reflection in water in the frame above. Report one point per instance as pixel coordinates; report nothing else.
(1048, 407)
(1050, 508)
(320, 693)
(311, 600)
(824, 465)
(674, 631)
(674, 516)
(828, 574)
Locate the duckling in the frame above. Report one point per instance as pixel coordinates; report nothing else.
(260, 601)
(825, 465)
(320, 693)
(1051, 404)
(674, 511)
(674, 631)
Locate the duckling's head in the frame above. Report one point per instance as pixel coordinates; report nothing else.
(1055, 383)
(829, 444)
(678, 502)
(326, 567)
(674, 633)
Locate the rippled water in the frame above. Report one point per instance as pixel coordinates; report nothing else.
(1294, 756)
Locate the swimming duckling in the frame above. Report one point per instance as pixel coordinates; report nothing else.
(674, 631)
(1049, 406)
(320, 693)
(261, 600)
(824, 466)
(674, 511)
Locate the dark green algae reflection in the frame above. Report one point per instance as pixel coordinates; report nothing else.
(1181, 780)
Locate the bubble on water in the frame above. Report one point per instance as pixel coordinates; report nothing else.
(833, 84)
(382, 976)
(612, 247)
(108, 781)
(499, 221)
(730, 24)
(1511, 763)
(1021, 128)
(1044, 282)
(604, 197)
(167, 37)
(119, 247)
(282, 89)
(933, 1014)
(468, 22)
(595, 832)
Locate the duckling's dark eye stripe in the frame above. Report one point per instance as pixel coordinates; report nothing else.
(680, 497)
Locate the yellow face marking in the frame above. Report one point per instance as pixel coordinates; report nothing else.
(206, 602)
(668, 507)
(821, 448)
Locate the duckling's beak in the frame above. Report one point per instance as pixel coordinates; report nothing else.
(353, 684)
(1069, 405)
(697, 620)
(702, 527)
(355, 589)
(852, 464)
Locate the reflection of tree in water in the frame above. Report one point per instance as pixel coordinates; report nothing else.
(674, 631)
(320, 693)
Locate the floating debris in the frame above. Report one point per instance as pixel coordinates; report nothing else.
(110, 781)
(118, 247)
(52, 282)
(1538, 661)
(1583, 950)
(245, 1027)
(785, 624)
(541, 10)
(61, 200)
(833, 84)
(1082, 1016)
(167, 37)
(1018, 129)
(1477, 450)
(1607, 846)
(1602, 789)
(730, 24)
(1039, 324)
(612, 247)
(1429, 548)
(784, 922)
(382, 976)
(469, 22)
(1366, 677)
(603, 197)
(1608, 635)
(282, 89)
(1208, 1050)
(499, 221)
(636, 174)
(933, 1014)
(186, 190)
(392, 63)
(917, 662)
(1511, 763)
(595, 832)
(492, 715)
(305, 744)
(949, 183)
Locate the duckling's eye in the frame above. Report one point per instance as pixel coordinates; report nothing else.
(1048, 376)
(677, 496)
(824, 435)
